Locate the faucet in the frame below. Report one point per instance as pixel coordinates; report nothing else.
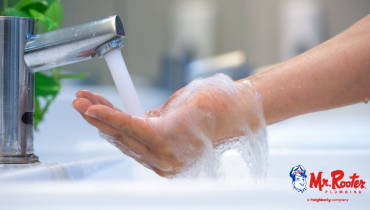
(22, 53)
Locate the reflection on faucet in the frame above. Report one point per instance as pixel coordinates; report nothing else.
(22, 53)
(72, 44)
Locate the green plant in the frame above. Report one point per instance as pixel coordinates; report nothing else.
(48, 15)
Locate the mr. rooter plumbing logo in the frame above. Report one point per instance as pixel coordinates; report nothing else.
(337, 184)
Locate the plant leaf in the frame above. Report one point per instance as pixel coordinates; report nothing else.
(55, 12)
(50, 2)
(73, 76)
(23, 3)
(37, 115)
(15, 13)
(46, 22)
(14, 2)
(5, 5)
(37, 105)
(38, 5)
(45, 85)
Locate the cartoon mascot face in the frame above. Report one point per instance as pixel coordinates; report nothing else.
(298, 175)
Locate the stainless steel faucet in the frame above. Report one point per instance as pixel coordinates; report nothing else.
(22, 54)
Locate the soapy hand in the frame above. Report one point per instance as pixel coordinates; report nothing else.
(181, 135)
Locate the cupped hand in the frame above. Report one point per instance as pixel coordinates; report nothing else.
(175, 136)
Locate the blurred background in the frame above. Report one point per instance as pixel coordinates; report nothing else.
(170, 42)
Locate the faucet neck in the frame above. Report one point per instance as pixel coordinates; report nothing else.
(72, 44)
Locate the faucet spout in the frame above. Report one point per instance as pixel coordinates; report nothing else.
(73, 44)
(22, 53)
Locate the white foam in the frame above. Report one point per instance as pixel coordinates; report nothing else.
(219, 90)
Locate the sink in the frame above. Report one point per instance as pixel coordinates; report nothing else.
(113, 182)
(87, 169)
(80, 170)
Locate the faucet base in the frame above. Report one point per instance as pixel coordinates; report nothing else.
(18, 159)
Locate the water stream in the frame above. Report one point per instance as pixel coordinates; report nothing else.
(181, 122)
(124, 83)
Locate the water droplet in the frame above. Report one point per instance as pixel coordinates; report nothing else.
(258, 95)
(75, 34)
(366, 99)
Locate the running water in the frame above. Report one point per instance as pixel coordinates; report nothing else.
(124, 83)
(180, 123)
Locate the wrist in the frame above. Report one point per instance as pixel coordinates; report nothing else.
(261, 85)
(240, 109)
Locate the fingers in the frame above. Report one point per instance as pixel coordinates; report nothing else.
(94, 98)
(120, 138)
(81, 105)
(132, 135)
(133, 126)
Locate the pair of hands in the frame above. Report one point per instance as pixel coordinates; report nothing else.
(173, 137)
